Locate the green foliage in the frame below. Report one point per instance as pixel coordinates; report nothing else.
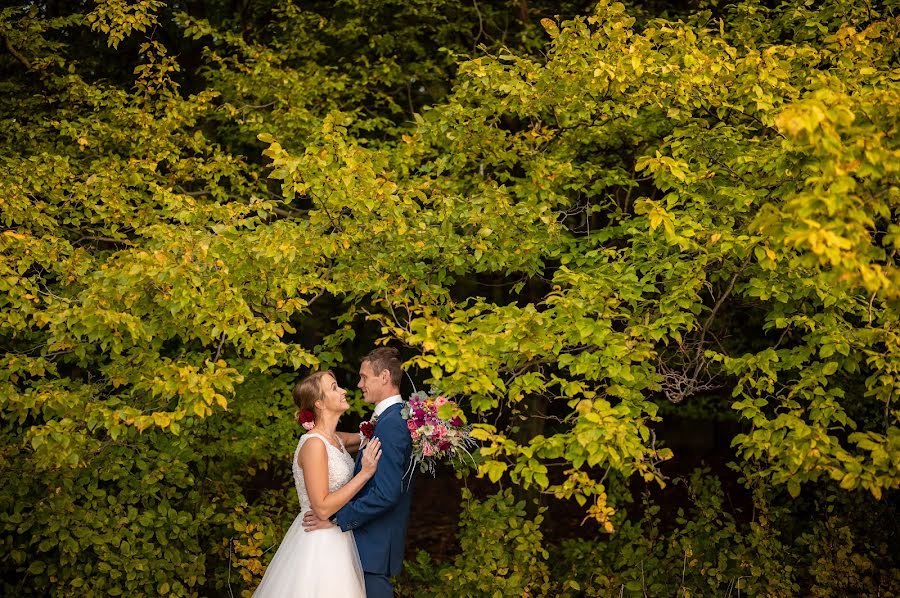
(502, 554)
(725, 177)
(155, 508)
(705, 551)
(841, 563)
(708, 548)
(565, 225)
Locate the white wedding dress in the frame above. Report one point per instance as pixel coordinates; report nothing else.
(322, 563)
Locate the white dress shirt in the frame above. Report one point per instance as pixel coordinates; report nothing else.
(384, 404)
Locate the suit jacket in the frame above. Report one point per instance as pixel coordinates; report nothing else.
(379, 513)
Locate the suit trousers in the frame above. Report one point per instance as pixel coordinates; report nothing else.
(378, 586)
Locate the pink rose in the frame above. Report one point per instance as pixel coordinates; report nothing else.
(440, 401)
(427, 449)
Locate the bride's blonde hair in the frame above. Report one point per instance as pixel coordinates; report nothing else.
(308, 391)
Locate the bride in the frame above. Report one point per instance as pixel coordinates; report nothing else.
(324, 562)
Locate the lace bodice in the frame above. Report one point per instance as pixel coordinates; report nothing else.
(340, 469)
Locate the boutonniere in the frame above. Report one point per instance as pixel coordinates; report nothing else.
(367, 429)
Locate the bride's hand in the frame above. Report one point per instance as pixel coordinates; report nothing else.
(370, 457)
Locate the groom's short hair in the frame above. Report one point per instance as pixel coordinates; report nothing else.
(386, 358)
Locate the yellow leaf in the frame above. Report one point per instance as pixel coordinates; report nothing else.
(550, 27)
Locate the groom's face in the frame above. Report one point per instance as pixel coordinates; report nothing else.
(371, 384)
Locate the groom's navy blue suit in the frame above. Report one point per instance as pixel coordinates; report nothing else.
(379, 513)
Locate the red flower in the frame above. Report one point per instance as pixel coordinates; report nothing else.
(367, 429)
(306, 418)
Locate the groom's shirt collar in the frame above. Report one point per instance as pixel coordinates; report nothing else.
(388, 402)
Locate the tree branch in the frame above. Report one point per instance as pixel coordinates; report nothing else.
(16, 54)
(219, 350)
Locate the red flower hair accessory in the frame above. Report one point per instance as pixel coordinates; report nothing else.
(306, 418)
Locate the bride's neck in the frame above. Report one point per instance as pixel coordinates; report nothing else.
(327, 423)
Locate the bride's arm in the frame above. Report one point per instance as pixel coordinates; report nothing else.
(313, 460)
(350, 440)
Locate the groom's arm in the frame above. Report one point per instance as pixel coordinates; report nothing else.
(386, 485)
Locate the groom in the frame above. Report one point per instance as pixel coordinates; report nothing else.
(379, 513)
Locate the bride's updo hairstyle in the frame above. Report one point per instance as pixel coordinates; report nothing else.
(308, 391)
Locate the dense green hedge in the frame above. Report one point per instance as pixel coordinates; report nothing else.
(827, 545)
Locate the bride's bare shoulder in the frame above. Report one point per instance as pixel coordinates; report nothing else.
(312, 448)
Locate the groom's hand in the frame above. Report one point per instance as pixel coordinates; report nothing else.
(311, 523)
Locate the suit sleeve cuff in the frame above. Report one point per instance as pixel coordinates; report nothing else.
(337, 521)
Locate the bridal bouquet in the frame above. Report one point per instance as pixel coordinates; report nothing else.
(438, 432)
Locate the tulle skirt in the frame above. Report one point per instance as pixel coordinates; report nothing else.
(318, 564)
